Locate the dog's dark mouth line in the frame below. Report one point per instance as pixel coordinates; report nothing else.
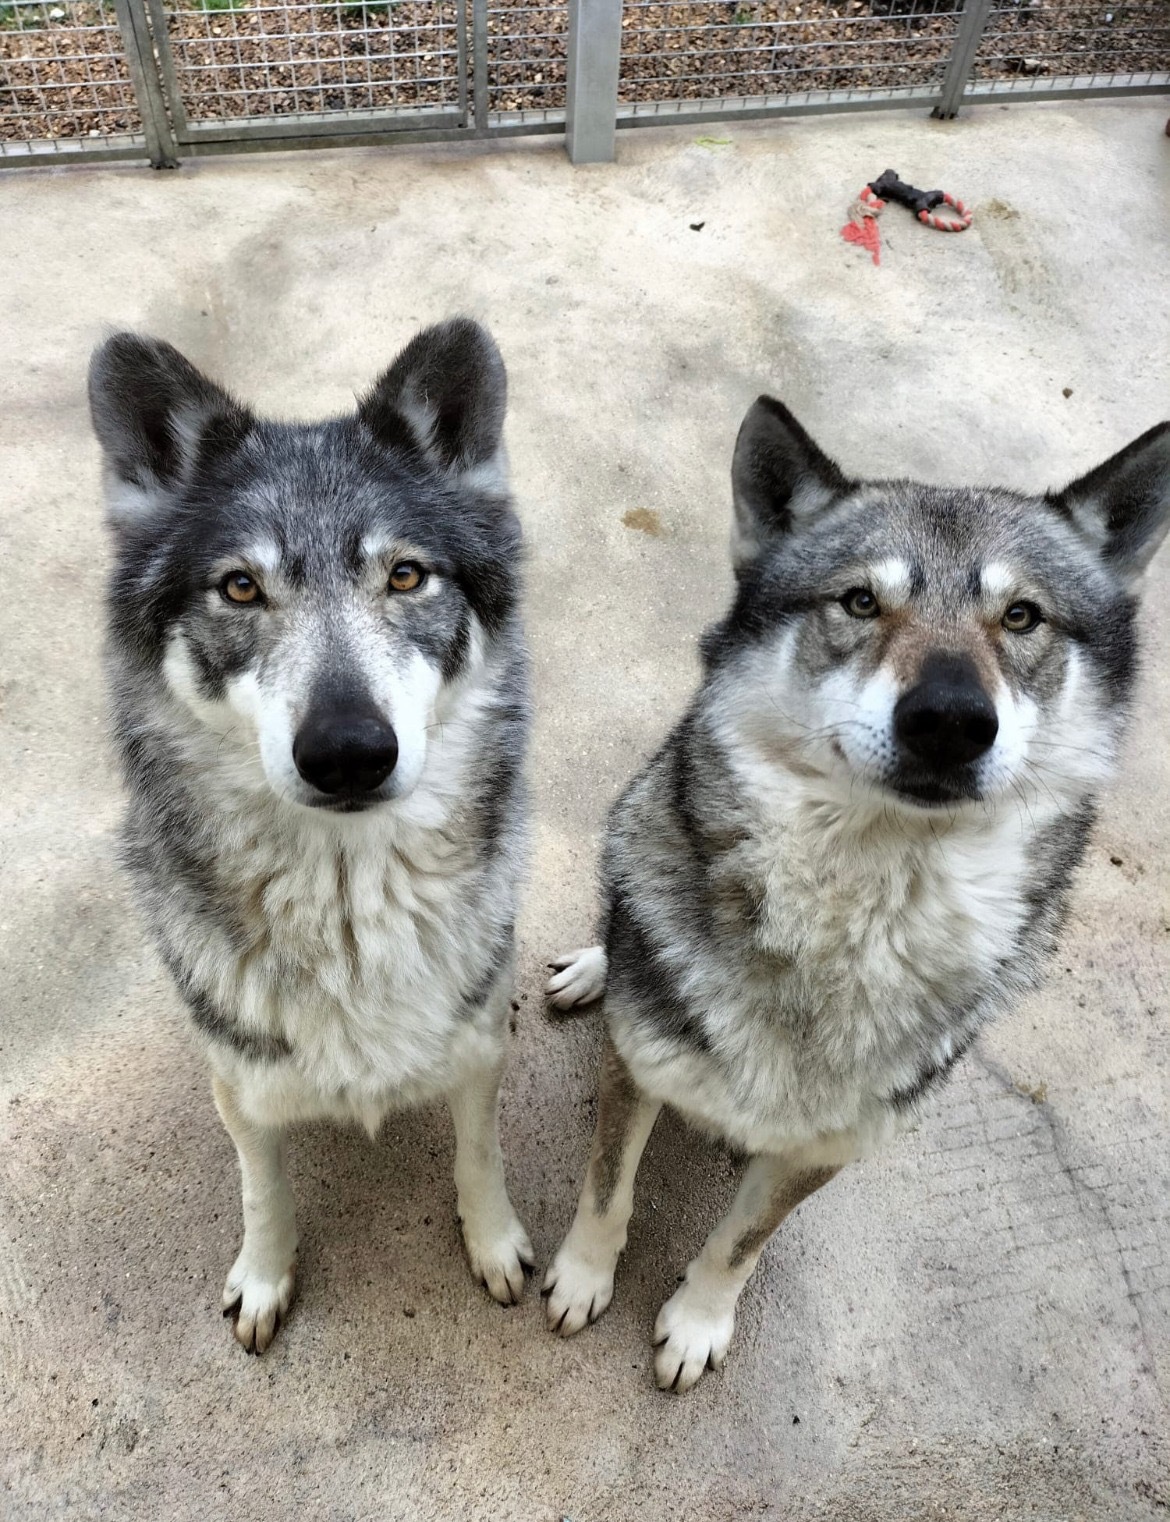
(928, 794)
(346, 805)
(933, 794)
(941, 801)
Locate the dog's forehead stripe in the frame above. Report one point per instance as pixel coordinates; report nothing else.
(892, 580)
(997, 580)
(265, 555)
(375, 545)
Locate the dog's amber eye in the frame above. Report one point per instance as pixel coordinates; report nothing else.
(1021, 617)
(860, 603)
(238, 586)
(406, 576)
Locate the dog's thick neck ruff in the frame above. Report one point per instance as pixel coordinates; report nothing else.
(851, 950)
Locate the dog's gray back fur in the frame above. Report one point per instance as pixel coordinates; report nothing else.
(802, 934)
(347, 947)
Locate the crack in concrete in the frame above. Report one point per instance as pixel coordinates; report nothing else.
(1091, 1200)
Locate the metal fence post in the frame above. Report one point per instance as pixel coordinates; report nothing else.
(152, 107)
(971, 27)
(595, 48)
(479, 64)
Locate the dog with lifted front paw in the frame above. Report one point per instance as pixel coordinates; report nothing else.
(857, 845)
(320, 697)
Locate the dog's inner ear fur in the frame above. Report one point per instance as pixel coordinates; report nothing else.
(155, 415)
(778, 476)
(1123, 507)
(445, 397)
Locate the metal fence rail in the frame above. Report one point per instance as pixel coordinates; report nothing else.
(163, 79)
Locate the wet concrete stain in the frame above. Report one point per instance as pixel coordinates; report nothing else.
(644, 520)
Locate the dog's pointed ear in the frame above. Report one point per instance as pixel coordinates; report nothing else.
(778, 476)
(154, 415)
(445, 396)
(1123, 507)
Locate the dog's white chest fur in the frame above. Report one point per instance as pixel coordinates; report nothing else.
(880, 917)
(356, 943)
(872, 932)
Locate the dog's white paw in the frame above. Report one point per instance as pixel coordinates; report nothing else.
(693, 1333)
(257, 1301)
(499, 1252)
(578, 978)
(577, 1287)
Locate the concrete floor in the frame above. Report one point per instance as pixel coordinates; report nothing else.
(976, 1325)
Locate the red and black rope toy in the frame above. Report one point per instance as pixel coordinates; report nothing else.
(888, 187)
(862, 226)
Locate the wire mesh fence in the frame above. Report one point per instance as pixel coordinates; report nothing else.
(64, 75)
(1099, 43)
(165, 77)
(782, 48)
(527, 50)
(250, 59)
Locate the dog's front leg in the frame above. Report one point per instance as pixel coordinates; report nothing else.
(694, 1327)
(497, 1244)
(260, 1284)
(579, 1283)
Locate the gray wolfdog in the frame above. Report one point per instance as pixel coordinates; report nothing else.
(320, 695)
(856, 846)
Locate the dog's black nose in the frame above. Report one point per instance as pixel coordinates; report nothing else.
(946, 719)
(345, 751)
